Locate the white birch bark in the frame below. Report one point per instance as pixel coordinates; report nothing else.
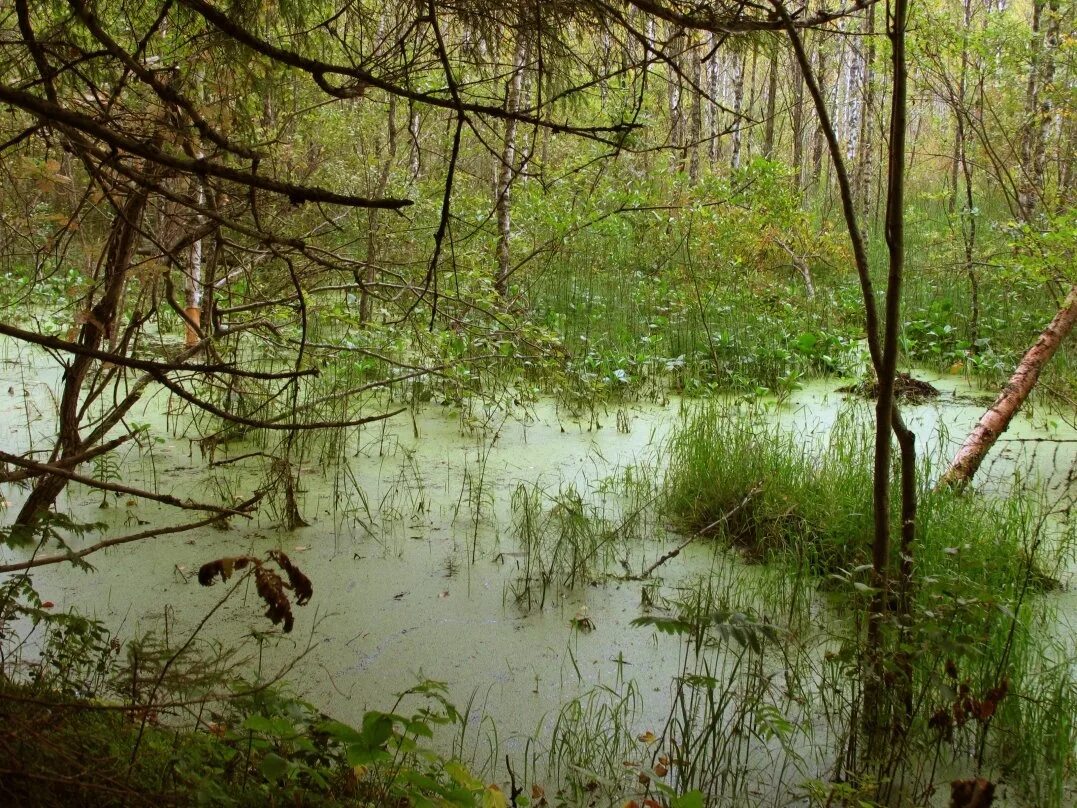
(713, 90)
(507, 168)
(997, 419)
(1045, 36)
(854, 101)
(738, 104)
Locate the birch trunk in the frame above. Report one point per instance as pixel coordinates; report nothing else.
(713, 90)
(695, 114)
(772, 103)
(864, 166)
(820, 137)
(675, 87)
(996, 420)
(1067, 179)
(414, 155)
(738, 105)
(366, 301)
(1045, 36)
(192, 286)
(852, 65)
(797, 113)
(751, 107)
(507, 167)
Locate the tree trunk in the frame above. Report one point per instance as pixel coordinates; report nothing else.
(193, 283)
(99, 322)
(968, 216)
(414, 155)
(996, 420)
(751, 108)
(714, 91)
(1067, 175)
(882, 337)
(862, 191)
(738, 104)
(370, 275)
(820, 139)
(772, 103)
(798, 125)
(1045, 40)
(853, 67)
(507, 166)
(695, 113)
(675, 91)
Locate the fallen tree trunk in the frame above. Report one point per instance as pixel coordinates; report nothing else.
(995, 421)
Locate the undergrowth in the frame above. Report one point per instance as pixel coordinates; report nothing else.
(89, 720)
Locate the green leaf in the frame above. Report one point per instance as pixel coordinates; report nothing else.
(461, 776)
(361, 755)
(692, 799)
(666, 624)
(340, 732)
(377, 729)
(274, 767)
(274, 727)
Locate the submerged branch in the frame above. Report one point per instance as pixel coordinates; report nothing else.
(676, 551)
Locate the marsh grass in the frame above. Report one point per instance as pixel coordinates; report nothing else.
(991, 669)
(813, 507)
(565, 541)
(701, 305)
(571, 537)
(593, 738)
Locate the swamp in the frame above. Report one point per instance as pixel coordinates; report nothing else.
(642, 404)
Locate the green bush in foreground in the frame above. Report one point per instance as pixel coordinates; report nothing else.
(92, 722)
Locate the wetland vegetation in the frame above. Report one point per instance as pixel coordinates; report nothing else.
(657, 404)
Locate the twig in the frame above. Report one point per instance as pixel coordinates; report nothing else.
(676, 551)
(57, 344)
(101, 545)
(166, 499)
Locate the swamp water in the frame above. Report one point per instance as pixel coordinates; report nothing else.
(419, 566)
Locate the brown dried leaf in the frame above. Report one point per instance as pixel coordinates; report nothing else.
(270, 588)
(298, 582)
(978, 793)
(985, 709)
(224, 567)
